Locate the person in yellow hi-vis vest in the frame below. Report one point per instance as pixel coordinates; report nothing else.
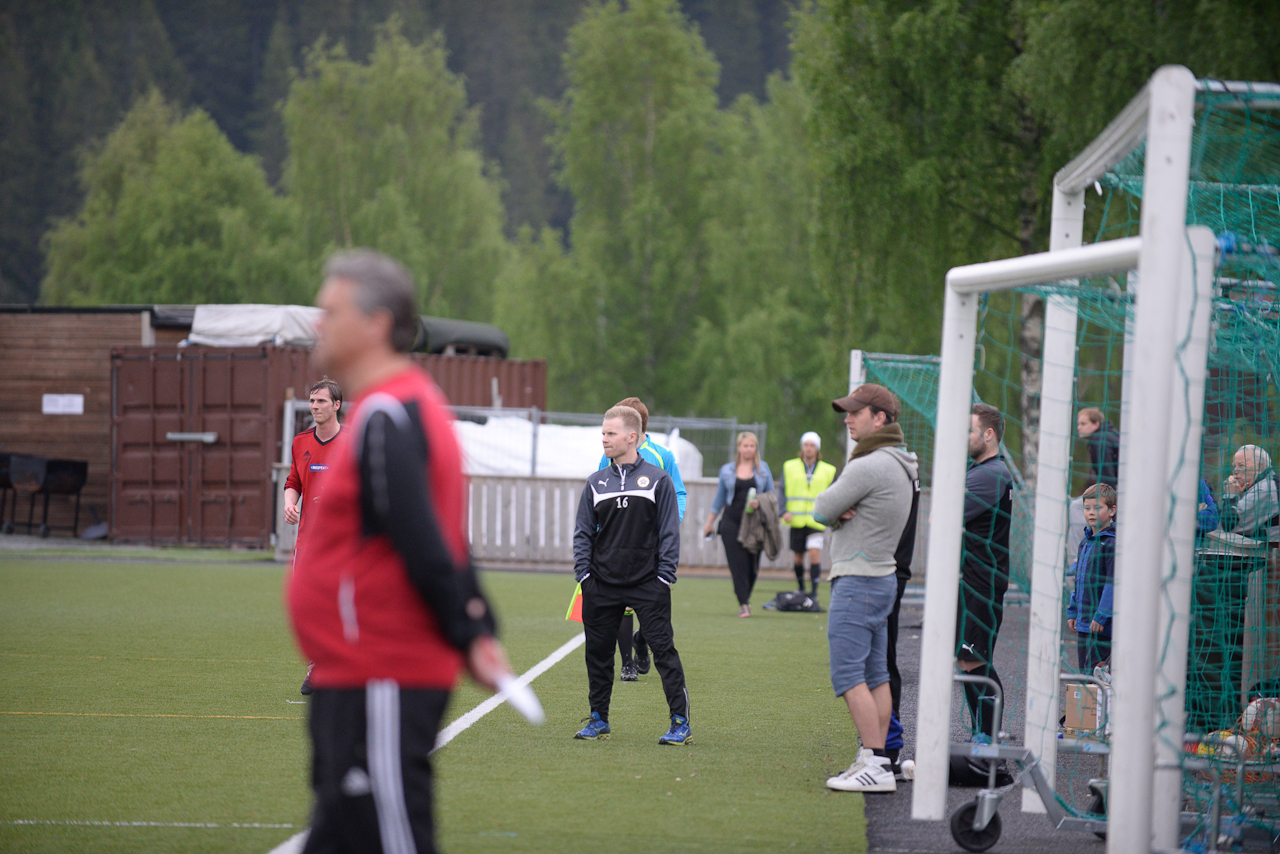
(802, 479)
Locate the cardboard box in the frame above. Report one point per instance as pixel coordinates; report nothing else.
(1082, 707)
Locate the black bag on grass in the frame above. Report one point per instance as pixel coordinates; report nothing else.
(794, 600)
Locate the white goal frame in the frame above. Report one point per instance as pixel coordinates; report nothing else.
(1174, 268)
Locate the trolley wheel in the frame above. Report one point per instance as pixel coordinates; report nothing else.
(966, 837)
(1098, 806)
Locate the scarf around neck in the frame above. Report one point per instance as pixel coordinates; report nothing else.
(888, 436)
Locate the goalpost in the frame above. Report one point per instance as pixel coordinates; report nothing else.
(1158, 478)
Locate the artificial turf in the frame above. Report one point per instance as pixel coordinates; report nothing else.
(153, 707)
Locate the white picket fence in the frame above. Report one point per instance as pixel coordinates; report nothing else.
(529, 521)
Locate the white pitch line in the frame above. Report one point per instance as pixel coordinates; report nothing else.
(461, 724)
(198, 824)
(292, 845)
(295, 843)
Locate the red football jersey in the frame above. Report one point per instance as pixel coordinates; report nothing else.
(309, 470)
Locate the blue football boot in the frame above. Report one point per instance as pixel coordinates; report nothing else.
(595, 728)
(679, 732)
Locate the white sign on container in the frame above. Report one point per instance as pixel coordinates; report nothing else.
(62, 404)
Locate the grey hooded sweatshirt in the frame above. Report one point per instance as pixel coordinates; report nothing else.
(878, 486)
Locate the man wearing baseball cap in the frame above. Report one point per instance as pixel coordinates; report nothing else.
(803, 479)
(867, 509)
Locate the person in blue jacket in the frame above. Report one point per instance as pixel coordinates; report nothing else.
(635, 666)
(1092, 604)
(734, 496)
(1206, 510)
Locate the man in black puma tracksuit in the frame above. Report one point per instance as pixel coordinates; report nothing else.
(626, 546)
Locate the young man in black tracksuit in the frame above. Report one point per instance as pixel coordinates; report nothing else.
(984, 572)
(626, 546)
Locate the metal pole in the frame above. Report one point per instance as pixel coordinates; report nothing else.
(1146, 521)
(946, 522)
(1195, 311)
(533, 456)
(1044, 633)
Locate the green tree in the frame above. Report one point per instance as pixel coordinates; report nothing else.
(541, 301)
(938, 125)
(173, 214)
(768, 352)
(71, 70)
(636, 140)
(1085, 59)
(20, 179)
(929, 158)
(266, 125)
(384, 155)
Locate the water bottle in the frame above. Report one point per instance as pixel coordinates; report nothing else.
(751, 496)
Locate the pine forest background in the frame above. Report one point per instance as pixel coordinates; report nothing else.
(705, 203)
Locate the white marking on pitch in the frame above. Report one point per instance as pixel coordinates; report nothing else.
(206, 824)
(294, 844)
(461, 724)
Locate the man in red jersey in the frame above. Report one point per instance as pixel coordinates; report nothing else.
(387, 604)
(312, 449)
(310, 462)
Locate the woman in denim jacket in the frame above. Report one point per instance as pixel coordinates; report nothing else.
(737, 479)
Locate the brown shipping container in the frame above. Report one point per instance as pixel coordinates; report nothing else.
(469, 380)
(196, 430)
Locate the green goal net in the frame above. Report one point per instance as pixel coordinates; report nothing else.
(1231, 754)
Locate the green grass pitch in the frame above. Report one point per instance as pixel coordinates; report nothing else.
(151, 705)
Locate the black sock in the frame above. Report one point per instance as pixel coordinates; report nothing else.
(892, 753)
(880, 751)
(800, 574)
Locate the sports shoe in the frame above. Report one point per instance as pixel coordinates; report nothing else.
(869, 773)
(629, 673)
(679, 732)
(595, 728)
(859, 762)
(306, 688)
(641, 657)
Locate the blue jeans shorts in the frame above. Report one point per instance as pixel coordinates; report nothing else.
(858, 630)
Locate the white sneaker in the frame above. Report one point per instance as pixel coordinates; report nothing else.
(870, 773)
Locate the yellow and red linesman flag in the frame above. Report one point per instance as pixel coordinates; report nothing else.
(575, 606)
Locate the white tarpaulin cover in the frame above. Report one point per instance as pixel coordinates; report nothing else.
(504, 446)
(250, 325)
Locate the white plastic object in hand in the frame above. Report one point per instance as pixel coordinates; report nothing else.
(522, 699)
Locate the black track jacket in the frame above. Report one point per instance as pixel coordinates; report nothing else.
(628, 526)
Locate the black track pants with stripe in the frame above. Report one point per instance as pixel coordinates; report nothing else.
(370, 769)
(602, 608)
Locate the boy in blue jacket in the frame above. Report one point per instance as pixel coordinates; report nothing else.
(1091, 608)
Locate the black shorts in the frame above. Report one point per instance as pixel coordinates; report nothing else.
(370, 771)
(798, 537)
